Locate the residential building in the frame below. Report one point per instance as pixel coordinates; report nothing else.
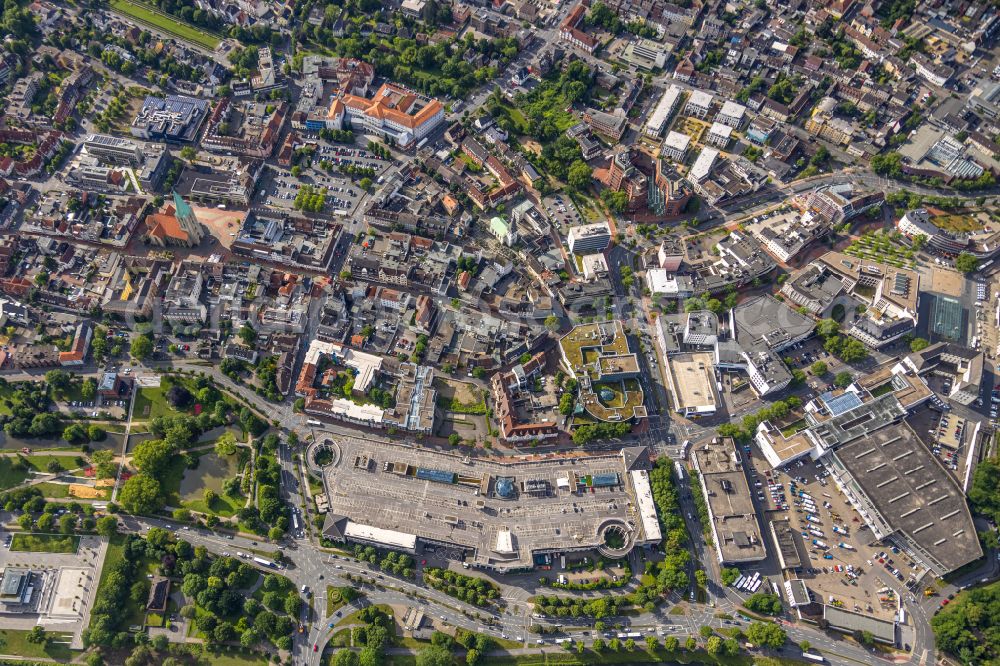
(699, 104)
(719, 135)
(663, 111)
(732, 114)
(675, 146)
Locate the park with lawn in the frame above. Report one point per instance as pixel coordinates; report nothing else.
(227, 601)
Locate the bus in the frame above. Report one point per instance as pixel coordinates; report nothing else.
(680, 470)
(265, 563)
(313, 422)
(295, 520)
(812, 656)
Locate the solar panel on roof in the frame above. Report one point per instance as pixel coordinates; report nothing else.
(436, 475)
(842, 403)
(901, 284)
(602, 480)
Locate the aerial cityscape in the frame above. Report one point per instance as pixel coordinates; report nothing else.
(496, 333)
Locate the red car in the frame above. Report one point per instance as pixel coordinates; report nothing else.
(945, 602)
(315, 647)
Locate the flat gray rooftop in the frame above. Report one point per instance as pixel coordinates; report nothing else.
(735, 530)
(764, 322)
(909, 496)
(860, 421)
(502, 512)
(784, 540)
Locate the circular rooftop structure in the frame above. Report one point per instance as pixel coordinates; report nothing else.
(505, 487)
(617, 537)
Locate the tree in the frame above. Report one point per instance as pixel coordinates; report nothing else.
(107, 525)
(843, 379)
(826, 328)
(433, 655)
(767, 604)
(652, 643)
(247, 334)
(918, 344)
(189, 153)
(96, 433)
(705, 631)
(345, 657)
(671, 643)
(141, 348)
(141, 494)
(37, 635)
(67, 523)
(966, 263)
(103, 462)
(713, 645)
(805, 645)
(152, 456)
(179, 396)
(818, 368)
(766, 634)
(579, 174)
(730, 575)
(701, 577)
(365, 184)
(226, 444)
(57, 379)
(88, 389)
(454, 439)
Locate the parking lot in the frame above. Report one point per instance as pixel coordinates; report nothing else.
(279, 187)
(841, 568)
(562, 211)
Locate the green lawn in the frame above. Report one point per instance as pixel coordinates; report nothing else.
(156, 19)
(10, 477)
(134, 614)
(54, 490)
(40, 461)
(16, 642)
(74, 392)
(152, 402)
(335, 598)
(232, 657)
(45, 543)
(222, 506)
(352, 618)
